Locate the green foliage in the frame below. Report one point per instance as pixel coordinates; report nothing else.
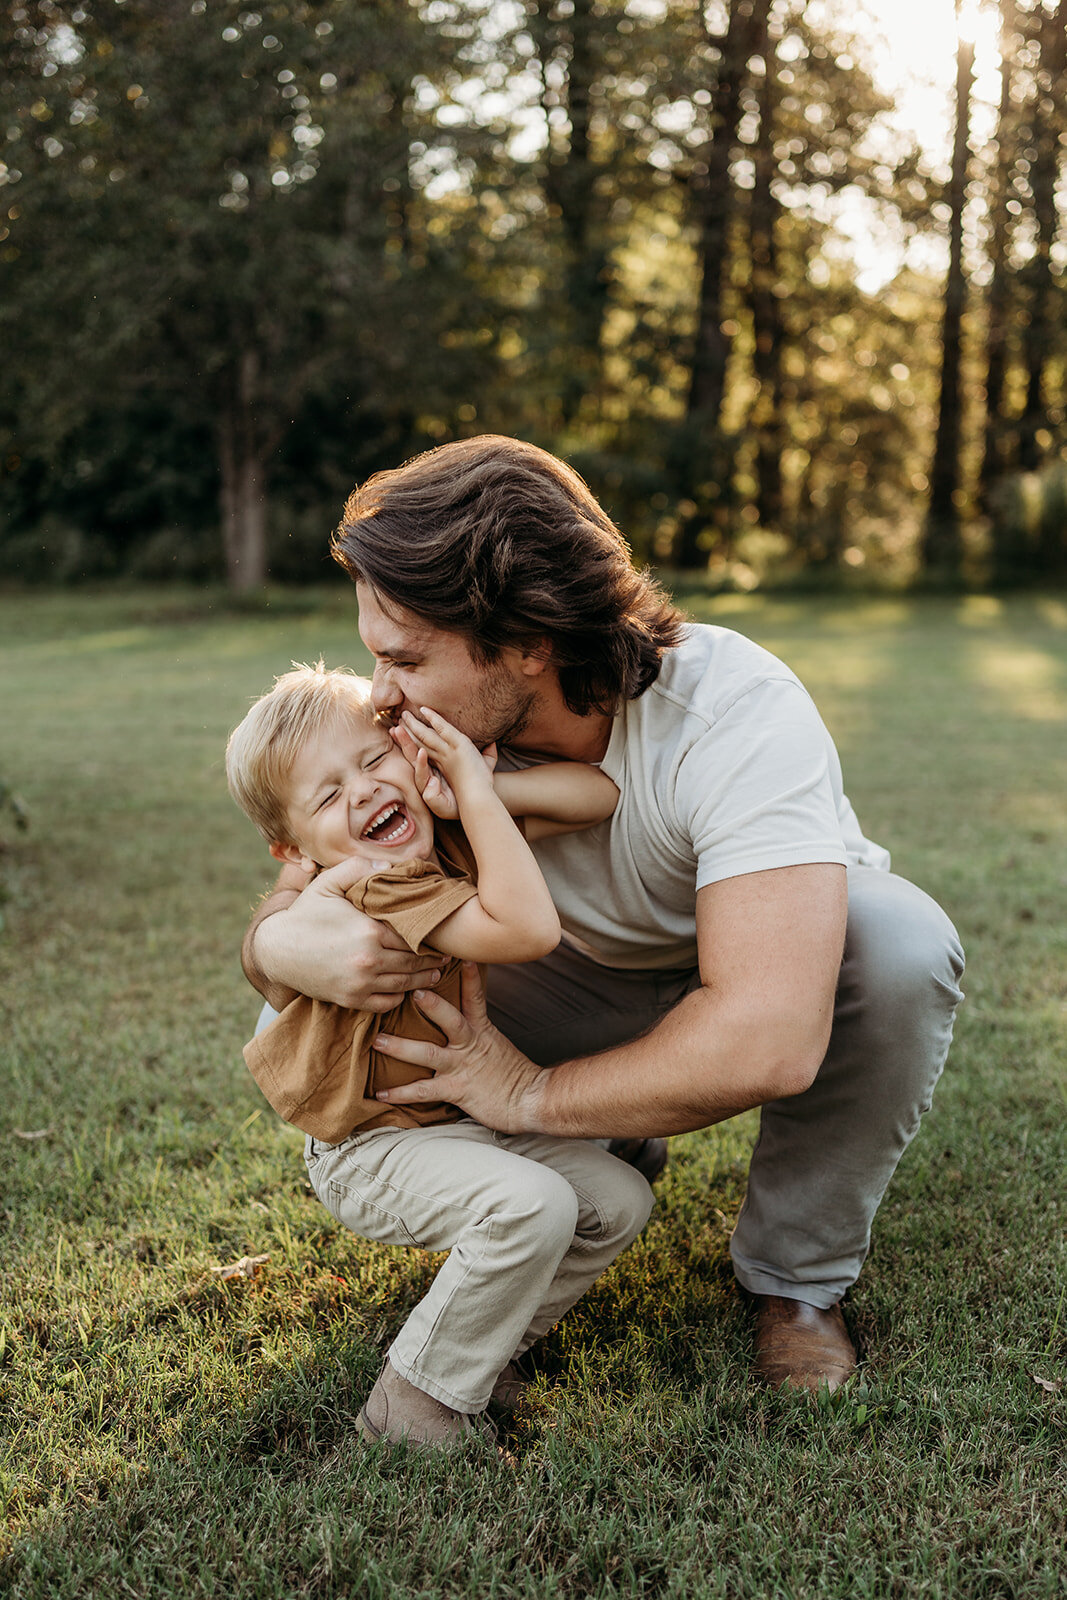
(248, 257)
(1029, 535)
(12, 808)
(223, 200)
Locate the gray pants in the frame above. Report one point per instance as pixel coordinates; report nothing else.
(823, 1158)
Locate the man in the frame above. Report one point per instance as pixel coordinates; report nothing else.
(731, 938)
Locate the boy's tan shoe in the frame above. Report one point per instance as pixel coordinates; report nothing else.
(395, 1410)
(798, 1346)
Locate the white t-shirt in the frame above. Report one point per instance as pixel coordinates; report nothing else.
(724, 767)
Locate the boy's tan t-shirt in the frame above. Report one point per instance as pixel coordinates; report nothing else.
(315, 1062)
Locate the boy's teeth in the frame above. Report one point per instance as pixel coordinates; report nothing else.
(386, 816)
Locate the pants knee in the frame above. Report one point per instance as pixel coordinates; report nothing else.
(547, 1218)
(632, 1204)
(902, 948)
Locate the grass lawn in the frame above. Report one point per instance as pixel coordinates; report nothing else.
(167, 1432)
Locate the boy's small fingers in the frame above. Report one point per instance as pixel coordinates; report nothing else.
(419, 733)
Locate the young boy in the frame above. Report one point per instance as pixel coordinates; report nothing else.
(529, 1222)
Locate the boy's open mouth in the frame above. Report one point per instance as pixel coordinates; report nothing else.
(390, 825)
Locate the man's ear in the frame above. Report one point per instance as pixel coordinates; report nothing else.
(291, 853)
(536, 657)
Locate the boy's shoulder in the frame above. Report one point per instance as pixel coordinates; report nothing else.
(413, 897)
(454, 851)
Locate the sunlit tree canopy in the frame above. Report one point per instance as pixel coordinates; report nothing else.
(785, 280)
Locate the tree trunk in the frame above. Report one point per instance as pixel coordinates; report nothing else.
(941, 546)
(242, 498)
(1038, 340)
(702, 479)
(707, 380)
(764, 302)
(570, 186)
(994, 451)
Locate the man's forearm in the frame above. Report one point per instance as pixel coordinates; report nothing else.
(276, 994)
(755, 1030)
(699, 1066)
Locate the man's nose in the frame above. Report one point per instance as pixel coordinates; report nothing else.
(383, 691)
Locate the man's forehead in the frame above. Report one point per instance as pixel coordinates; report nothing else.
(387, 627)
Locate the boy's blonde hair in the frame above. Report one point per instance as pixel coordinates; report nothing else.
(261, 750)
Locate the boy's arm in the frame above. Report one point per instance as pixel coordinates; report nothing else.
(512, 918)
(559, 797)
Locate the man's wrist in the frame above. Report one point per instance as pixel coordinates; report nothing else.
(535, 1114)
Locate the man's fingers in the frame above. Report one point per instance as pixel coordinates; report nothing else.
(440, 1087)
(452, 1023)
(385, 1000)
(472, 992)
(403, 976)
(338, 880)
(416, 1052)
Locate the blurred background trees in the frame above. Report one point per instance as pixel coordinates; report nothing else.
(248, 256)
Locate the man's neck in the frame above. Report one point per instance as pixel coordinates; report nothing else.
(561, 735)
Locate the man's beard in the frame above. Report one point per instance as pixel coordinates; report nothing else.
(505, 718)
(502, 716)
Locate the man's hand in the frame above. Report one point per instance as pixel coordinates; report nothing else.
(478, 1069)
(321, 946)
(755, 1030)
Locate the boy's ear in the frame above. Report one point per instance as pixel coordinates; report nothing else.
(291, 853)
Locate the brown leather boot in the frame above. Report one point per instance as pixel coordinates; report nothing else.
(509, 1388)
(648, 1156)
(798, 1346)
(396, 1410)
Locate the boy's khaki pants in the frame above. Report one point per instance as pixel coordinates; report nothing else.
(529, 1224)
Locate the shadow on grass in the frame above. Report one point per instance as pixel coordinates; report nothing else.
(645, 1461)
(244, 1498)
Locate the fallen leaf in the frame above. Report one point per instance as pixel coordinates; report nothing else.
(38, 1133)
(1045, 1383)
(247, 1267)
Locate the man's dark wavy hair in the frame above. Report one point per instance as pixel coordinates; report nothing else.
(502, 542)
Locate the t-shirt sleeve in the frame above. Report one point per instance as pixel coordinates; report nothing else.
(755, 790)
(412, 906)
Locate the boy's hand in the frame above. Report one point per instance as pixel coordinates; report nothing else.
(432, 785)
(446, 755)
